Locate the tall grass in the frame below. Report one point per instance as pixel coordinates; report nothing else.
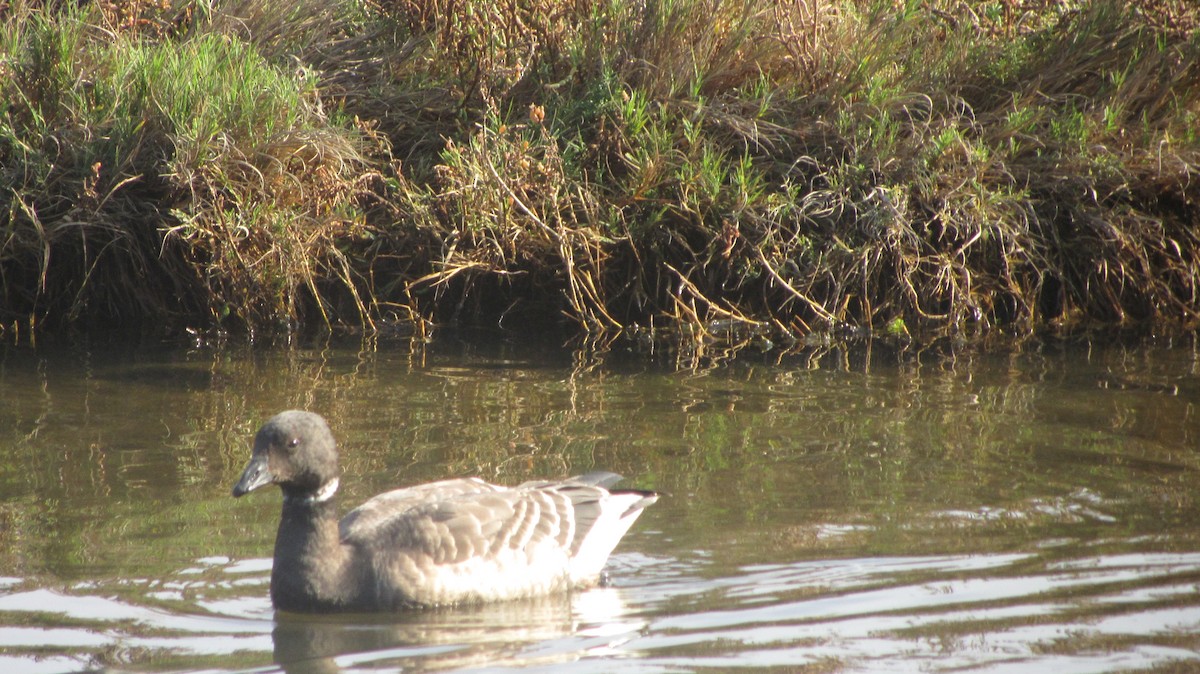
(731, 168)
(188, 180)
(818, 165)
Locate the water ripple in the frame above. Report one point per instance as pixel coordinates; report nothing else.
(977, 612)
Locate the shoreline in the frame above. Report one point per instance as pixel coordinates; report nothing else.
(788, 173)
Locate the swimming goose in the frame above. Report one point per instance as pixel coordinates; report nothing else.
(449, 542)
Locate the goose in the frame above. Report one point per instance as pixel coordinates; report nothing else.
(450, 542)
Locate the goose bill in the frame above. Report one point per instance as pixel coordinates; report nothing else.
(254, 476)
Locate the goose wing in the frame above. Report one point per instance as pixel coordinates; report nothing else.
(363, 522)
(467, 540)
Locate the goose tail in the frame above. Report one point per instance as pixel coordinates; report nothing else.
(617, 511)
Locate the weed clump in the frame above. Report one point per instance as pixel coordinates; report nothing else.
(186, 180)
(752, 168)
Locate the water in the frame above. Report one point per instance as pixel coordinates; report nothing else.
(829, 511)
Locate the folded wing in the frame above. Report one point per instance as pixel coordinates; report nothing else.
(466, 540)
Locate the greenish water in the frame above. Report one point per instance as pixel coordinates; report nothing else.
(860, 511)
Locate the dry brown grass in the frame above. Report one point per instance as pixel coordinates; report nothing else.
(735, 171)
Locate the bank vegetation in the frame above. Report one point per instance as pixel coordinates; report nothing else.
(782, 170)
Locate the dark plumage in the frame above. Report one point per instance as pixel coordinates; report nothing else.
(447, 542)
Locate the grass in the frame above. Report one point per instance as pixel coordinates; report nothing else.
(187, 180)
(749, 169)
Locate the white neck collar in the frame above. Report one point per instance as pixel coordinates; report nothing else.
(323, 494)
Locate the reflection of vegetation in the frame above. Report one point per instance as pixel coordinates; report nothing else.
(115, 470)
(97, 470)
(1070, 613)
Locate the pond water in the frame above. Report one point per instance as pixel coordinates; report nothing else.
(861, 510)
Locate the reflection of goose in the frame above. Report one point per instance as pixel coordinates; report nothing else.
(545, 630)
(449, 542)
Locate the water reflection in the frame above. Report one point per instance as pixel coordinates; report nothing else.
(985, 613)
(203, 623)
(1005, 611)
(543, 632)
(838, 511)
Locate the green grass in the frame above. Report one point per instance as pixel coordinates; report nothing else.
(800, 168)
(187, 180)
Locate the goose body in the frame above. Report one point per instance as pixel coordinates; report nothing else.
(448, 542)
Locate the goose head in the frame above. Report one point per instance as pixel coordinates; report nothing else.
(296, 451)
